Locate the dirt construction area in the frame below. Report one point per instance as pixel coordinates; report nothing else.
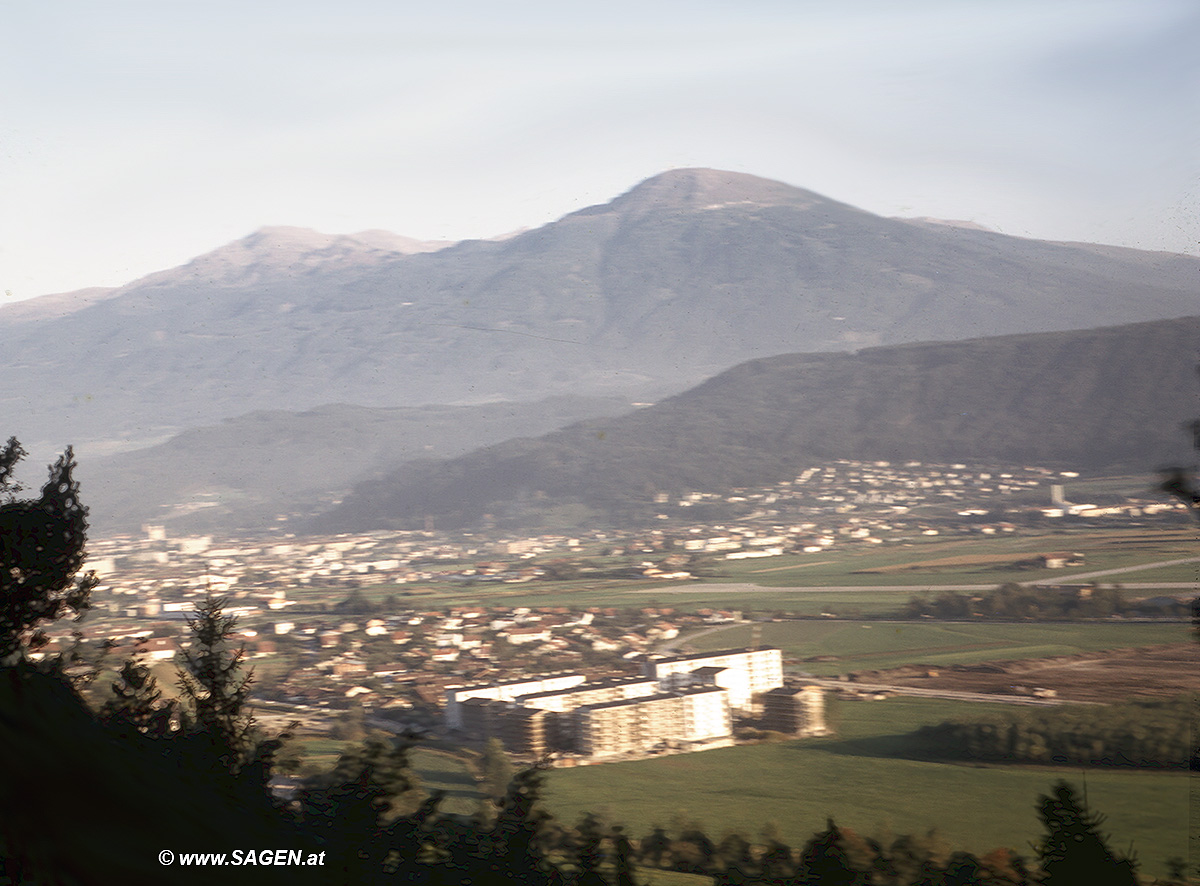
(1144, 672)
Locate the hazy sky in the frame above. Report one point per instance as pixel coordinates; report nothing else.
(136, 134)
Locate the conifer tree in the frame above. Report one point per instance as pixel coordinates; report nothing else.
(42, 549)
(495, 771)
(138, 703)
(1073, 850)
(214, 685)
(824, 861)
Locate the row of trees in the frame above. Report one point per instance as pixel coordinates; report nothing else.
(1013, 601)
(1151, 734)
(99, 796)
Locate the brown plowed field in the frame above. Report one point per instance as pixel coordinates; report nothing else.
(1145, 672)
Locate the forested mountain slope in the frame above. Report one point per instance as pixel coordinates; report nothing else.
(1108, 398)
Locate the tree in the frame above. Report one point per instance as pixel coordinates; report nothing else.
(825, 861)
(656, 847)
(734, 856)
(137, 788)
(776, 863)
(591, 852)
(42, 548)
(519, 830)
(623, 866)
(214, 686)
(137, 702)
(352, 724)
(495, 771)
(377, 774)
(1073, 850)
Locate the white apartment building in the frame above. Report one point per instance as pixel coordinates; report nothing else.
(507, 691)
(595, 692)
(744, 673)
(696, 717)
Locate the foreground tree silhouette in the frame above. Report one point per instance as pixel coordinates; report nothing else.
(41, 550)
(214, 689)
(1073, 850)
(137, 702)
(136, 785)
(825, 862)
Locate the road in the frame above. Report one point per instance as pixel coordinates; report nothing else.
(669, 646)
(1073, 577)
(1088, 576)
(956, 695)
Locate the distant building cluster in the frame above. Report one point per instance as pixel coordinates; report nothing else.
(682, 703)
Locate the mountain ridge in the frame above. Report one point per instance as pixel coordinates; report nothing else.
(1104, 398)
(681, 277)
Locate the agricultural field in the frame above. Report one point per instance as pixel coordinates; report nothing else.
(861, 779)
(986, 561)
(858, 645)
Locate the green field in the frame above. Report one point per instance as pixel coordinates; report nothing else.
(873, 645)
(853, 565)
(449, 773)
(851, 778)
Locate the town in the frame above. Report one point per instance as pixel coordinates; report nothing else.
(335, 626)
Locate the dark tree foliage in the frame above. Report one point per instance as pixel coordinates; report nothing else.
(1073, 850)
(519, 829)
(656, 848)
(825, 861)
(138, 702)
(215, 685)
(735, 859)
(41, 551)
(623, 865)
(1154, 734)
(1013, 601)
(777, 864)
(591, 854)
(964, 869)
(377, 772)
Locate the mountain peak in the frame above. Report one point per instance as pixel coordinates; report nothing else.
(699, 189)
(288, 249)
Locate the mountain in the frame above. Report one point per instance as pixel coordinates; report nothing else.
(248, 471)
(686, 274)
(1114, 398)
(49, 306)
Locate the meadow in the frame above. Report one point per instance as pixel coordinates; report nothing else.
(861, 645)
(975, 560)
(857, 778)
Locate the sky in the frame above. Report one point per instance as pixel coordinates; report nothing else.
(137, 134)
